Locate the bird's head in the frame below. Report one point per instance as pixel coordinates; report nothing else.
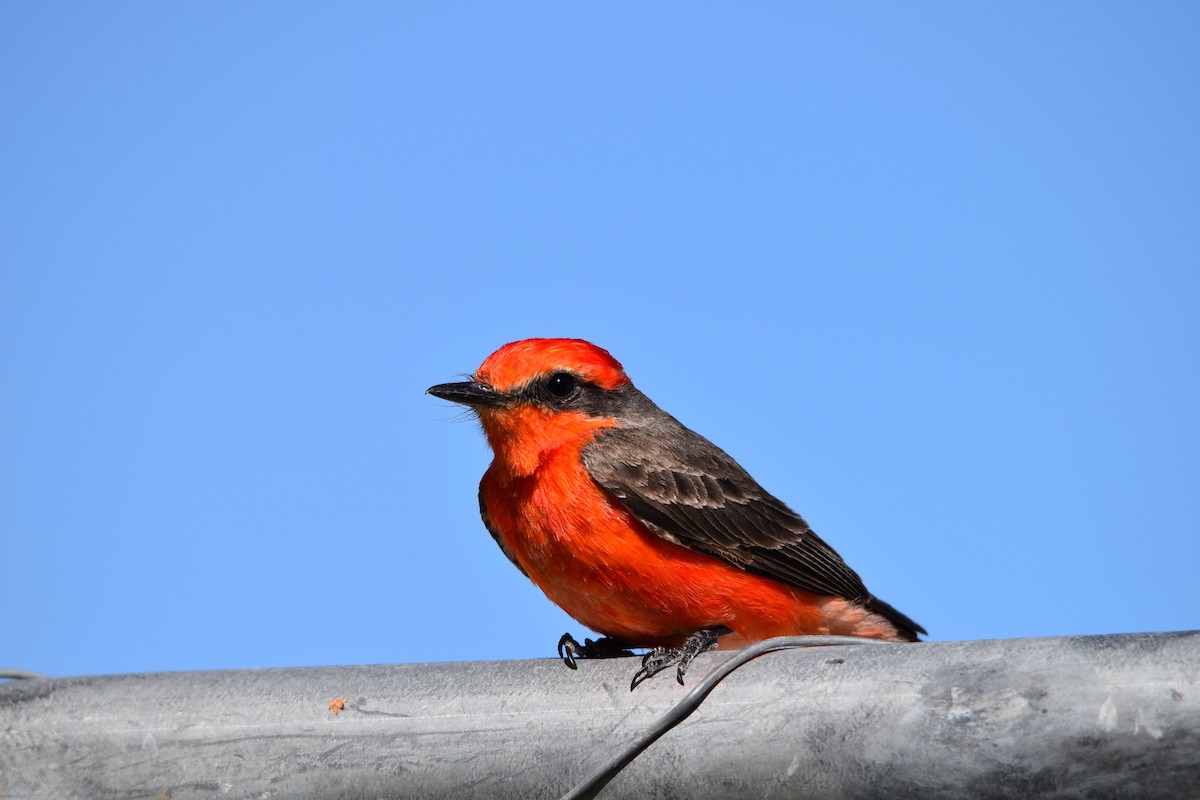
(535, 396)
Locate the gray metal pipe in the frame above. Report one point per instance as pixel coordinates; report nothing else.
(1074, 717)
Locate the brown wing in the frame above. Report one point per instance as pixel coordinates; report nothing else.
(692, 493)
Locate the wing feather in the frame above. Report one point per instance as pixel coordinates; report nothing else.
(690, 492)
(687, 487)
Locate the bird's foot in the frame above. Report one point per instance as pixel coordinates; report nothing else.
(661, 658)
(604, 647)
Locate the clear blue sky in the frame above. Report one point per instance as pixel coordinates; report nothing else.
(931, 273)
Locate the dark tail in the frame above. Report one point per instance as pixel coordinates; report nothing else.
(904, 626)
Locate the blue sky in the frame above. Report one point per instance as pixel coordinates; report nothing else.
(929, 272)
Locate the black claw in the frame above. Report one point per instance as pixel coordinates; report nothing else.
(660, 658)
(567, 648)
(605, 647)
(650, 666)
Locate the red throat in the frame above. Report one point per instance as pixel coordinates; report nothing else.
(525, 437)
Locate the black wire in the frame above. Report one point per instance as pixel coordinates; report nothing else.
(596, 782)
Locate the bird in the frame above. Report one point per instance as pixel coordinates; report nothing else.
(640, 528)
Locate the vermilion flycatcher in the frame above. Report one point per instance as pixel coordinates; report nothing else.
(640, 528)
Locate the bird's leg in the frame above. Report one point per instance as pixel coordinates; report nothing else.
(604, 647)
(661, 658)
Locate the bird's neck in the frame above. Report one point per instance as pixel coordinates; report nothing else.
(524, 438)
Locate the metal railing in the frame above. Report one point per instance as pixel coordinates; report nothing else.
(1077, 717)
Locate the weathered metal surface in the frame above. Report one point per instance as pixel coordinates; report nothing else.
(1075, 717)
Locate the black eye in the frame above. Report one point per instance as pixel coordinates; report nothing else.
(561, 384)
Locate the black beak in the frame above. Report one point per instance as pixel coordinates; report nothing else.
(470, 393)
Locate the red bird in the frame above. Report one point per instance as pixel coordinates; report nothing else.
(640, 528)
